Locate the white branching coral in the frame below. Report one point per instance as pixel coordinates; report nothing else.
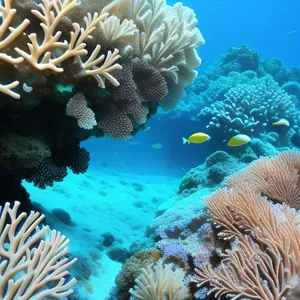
(51, 13)
(7, 14)
(115, 32)
(167, 37)
(32, 266)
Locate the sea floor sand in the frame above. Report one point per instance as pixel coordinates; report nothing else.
(103, 202)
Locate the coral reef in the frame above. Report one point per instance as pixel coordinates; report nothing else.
(250, 109)
(237, 69)
(249, 245)
(132, 269)
(264, 237)
(216, 167)
(82, 69)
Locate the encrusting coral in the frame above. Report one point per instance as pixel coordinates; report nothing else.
(88, 68)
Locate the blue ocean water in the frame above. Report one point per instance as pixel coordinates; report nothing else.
(262, 25)
(149, 214)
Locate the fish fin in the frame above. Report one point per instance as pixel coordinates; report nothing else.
(184, 141)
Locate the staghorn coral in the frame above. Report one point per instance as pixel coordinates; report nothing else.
(264, 260)
(51, 13)
(250, 109)
(157, 282)
(33, 259)
(7, 14)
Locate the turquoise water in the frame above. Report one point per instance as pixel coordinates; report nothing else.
(161, 139)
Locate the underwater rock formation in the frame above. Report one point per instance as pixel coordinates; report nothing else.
(72, 70)
(216, 167)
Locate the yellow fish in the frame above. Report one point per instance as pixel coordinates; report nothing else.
(196, 138)
(239, 140)
(156, 146)
(281, 122)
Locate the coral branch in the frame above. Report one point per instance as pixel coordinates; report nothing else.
(90, 66)
(8, 13)
(7, 89)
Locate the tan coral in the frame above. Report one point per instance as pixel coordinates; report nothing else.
(264, 260)
(277, 177)
(113, 31)
(32, 266)
(159, 281)
(51, 13)
(8, 13)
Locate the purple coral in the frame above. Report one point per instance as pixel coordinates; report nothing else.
(172, 248)
(77, 108)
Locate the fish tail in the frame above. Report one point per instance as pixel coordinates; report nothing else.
(184, 141)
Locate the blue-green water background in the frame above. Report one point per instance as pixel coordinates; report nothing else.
(262, 25)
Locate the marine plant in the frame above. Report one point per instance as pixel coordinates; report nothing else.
(71, 70)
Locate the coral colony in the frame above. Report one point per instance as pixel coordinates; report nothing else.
(71, 70)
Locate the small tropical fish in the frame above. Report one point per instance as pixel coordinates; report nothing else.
(133, 143)
(196, 138)
(157, 146)
(239, 140)
(281, 122)
(291, 32)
